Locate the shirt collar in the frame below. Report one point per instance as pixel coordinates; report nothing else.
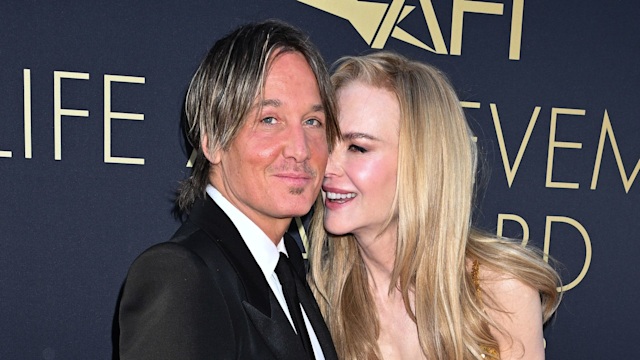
(260, 245)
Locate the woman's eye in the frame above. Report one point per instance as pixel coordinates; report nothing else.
(357, 148)
(269, 120)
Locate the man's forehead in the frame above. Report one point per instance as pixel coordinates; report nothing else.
(262, 99)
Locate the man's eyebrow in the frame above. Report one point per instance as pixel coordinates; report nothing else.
(358, 135)
(271, 102)
(277, 103)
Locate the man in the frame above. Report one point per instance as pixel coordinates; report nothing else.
(261, 115)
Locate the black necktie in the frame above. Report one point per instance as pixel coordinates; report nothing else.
(285, 273)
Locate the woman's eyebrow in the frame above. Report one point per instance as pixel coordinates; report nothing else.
(358, 135)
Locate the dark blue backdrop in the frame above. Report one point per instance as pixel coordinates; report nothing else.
(69, 228)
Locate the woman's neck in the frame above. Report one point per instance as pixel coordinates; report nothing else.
(378, 254)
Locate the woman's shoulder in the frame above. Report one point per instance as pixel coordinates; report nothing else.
(502, 288)
(514, 306)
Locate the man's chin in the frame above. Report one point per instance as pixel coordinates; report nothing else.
(297, 201)
(296, 190)
(295, 211)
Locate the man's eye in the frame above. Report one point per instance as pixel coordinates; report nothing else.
(357, 148)
(313, 122)
(269, 120)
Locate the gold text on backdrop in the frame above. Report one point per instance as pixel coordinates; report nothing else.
(376, 22)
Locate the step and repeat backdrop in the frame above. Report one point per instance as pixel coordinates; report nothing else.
(91, 149)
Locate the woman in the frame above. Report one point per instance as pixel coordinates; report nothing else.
(401, 273)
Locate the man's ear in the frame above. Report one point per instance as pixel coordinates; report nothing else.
(214, 156)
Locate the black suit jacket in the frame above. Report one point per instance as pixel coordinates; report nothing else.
(203, 296)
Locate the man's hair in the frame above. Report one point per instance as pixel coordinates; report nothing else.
(225, 87)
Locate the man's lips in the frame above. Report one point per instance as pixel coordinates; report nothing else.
(294, 178)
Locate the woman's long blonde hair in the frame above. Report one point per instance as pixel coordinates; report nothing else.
(437, 162)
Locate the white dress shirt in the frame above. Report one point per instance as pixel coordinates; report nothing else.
(266, 255)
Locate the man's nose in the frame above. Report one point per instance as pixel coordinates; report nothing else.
(297, 144)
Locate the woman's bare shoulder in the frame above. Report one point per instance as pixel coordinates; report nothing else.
(517, 310)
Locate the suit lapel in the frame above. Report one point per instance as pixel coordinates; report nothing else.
(260, 306)
(209, 217)
(276, 331)
(308, 301)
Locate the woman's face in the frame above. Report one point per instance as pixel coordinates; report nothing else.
(360, 179)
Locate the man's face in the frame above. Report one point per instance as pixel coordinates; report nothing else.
(274, 167)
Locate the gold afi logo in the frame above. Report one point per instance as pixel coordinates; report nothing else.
(376, 22)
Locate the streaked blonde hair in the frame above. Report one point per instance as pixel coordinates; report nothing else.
(437, 162)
